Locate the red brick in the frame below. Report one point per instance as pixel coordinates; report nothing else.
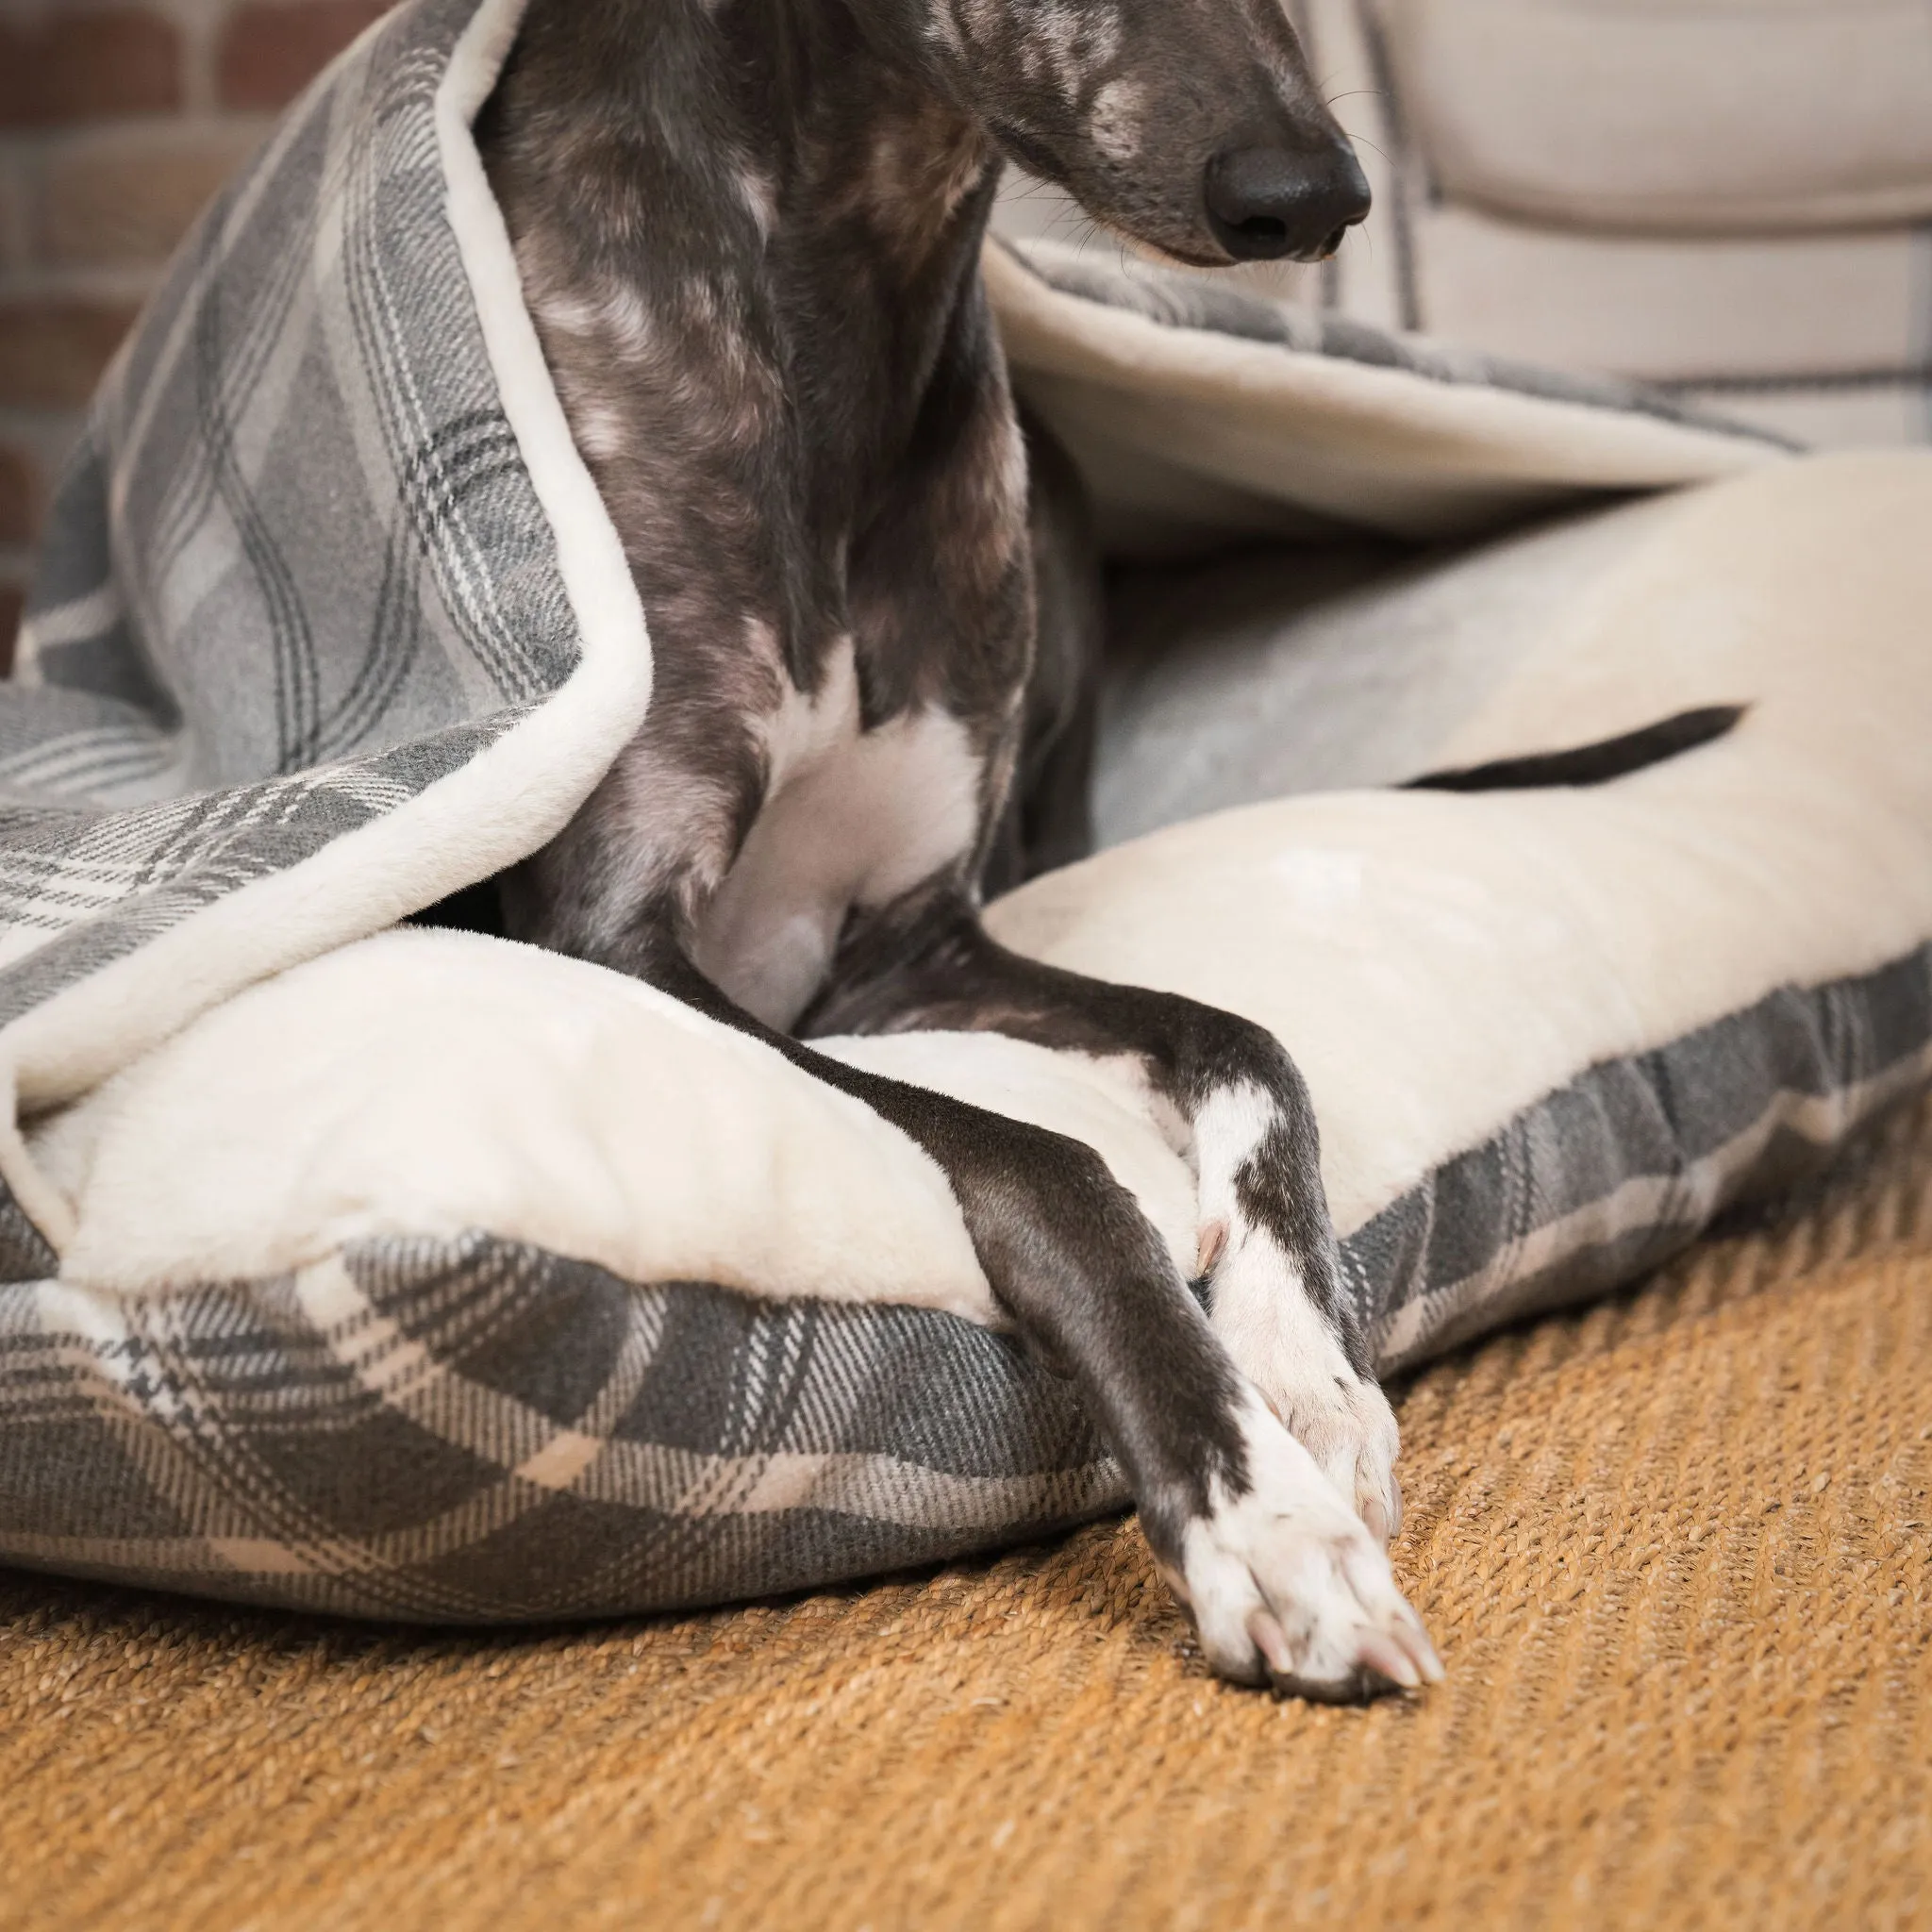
(88, 67)
(12, 601)
(269, 53)
(127, 202)
(19, 509)
(52, 353)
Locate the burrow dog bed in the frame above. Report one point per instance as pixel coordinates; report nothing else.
(419, 1274)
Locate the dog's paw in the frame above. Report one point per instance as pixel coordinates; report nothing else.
(1290, 1351)
(1287, 1587)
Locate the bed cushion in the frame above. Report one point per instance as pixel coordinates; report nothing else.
(442, 1278)
(422, 1275)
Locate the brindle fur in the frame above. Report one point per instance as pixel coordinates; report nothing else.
(749, 232)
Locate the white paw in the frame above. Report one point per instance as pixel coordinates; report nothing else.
(1286, 1586)
(1281, 1342)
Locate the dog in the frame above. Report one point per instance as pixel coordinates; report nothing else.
(749, 235)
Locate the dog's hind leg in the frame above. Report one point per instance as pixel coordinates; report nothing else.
(1231, 1100)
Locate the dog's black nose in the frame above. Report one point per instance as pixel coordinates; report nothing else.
(1264, 203)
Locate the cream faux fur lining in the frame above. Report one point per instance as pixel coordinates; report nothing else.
(431, 1083)
(1167, 411)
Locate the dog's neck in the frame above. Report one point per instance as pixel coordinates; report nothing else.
(856, 130)
(784, 159)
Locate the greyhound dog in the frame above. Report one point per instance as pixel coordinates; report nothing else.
(749, 234)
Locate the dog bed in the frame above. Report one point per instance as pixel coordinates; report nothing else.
(412, 1273)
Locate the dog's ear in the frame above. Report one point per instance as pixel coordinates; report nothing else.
(1195, 130)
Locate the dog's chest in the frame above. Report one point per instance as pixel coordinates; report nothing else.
(850, 819)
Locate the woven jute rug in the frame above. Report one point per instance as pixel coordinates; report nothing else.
(1674, 1549)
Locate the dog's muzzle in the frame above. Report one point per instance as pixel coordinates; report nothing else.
(1269, 203)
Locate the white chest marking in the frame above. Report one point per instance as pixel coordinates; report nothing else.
(851, 818)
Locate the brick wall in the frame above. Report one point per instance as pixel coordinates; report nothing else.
(118, 120)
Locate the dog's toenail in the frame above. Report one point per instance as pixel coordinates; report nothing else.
(1213, 1239)
(1387, 1657)
(1271, 1639)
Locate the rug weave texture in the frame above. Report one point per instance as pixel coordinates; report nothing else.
(1674, 1549)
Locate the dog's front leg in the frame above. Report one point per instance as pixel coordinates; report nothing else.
(1231, 1100)
(1284, 1584)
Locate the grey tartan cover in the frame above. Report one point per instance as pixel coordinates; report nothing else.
(300, 578)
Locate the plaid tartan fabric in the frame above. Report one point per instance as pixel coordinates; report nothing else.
(479, 1431)
(297, 572)
(298, 577)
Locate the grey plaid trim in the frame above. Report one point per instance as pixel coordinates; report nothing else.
(1186, 302)
(1799, 381)
(1626, 1165)
(478, 1432)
